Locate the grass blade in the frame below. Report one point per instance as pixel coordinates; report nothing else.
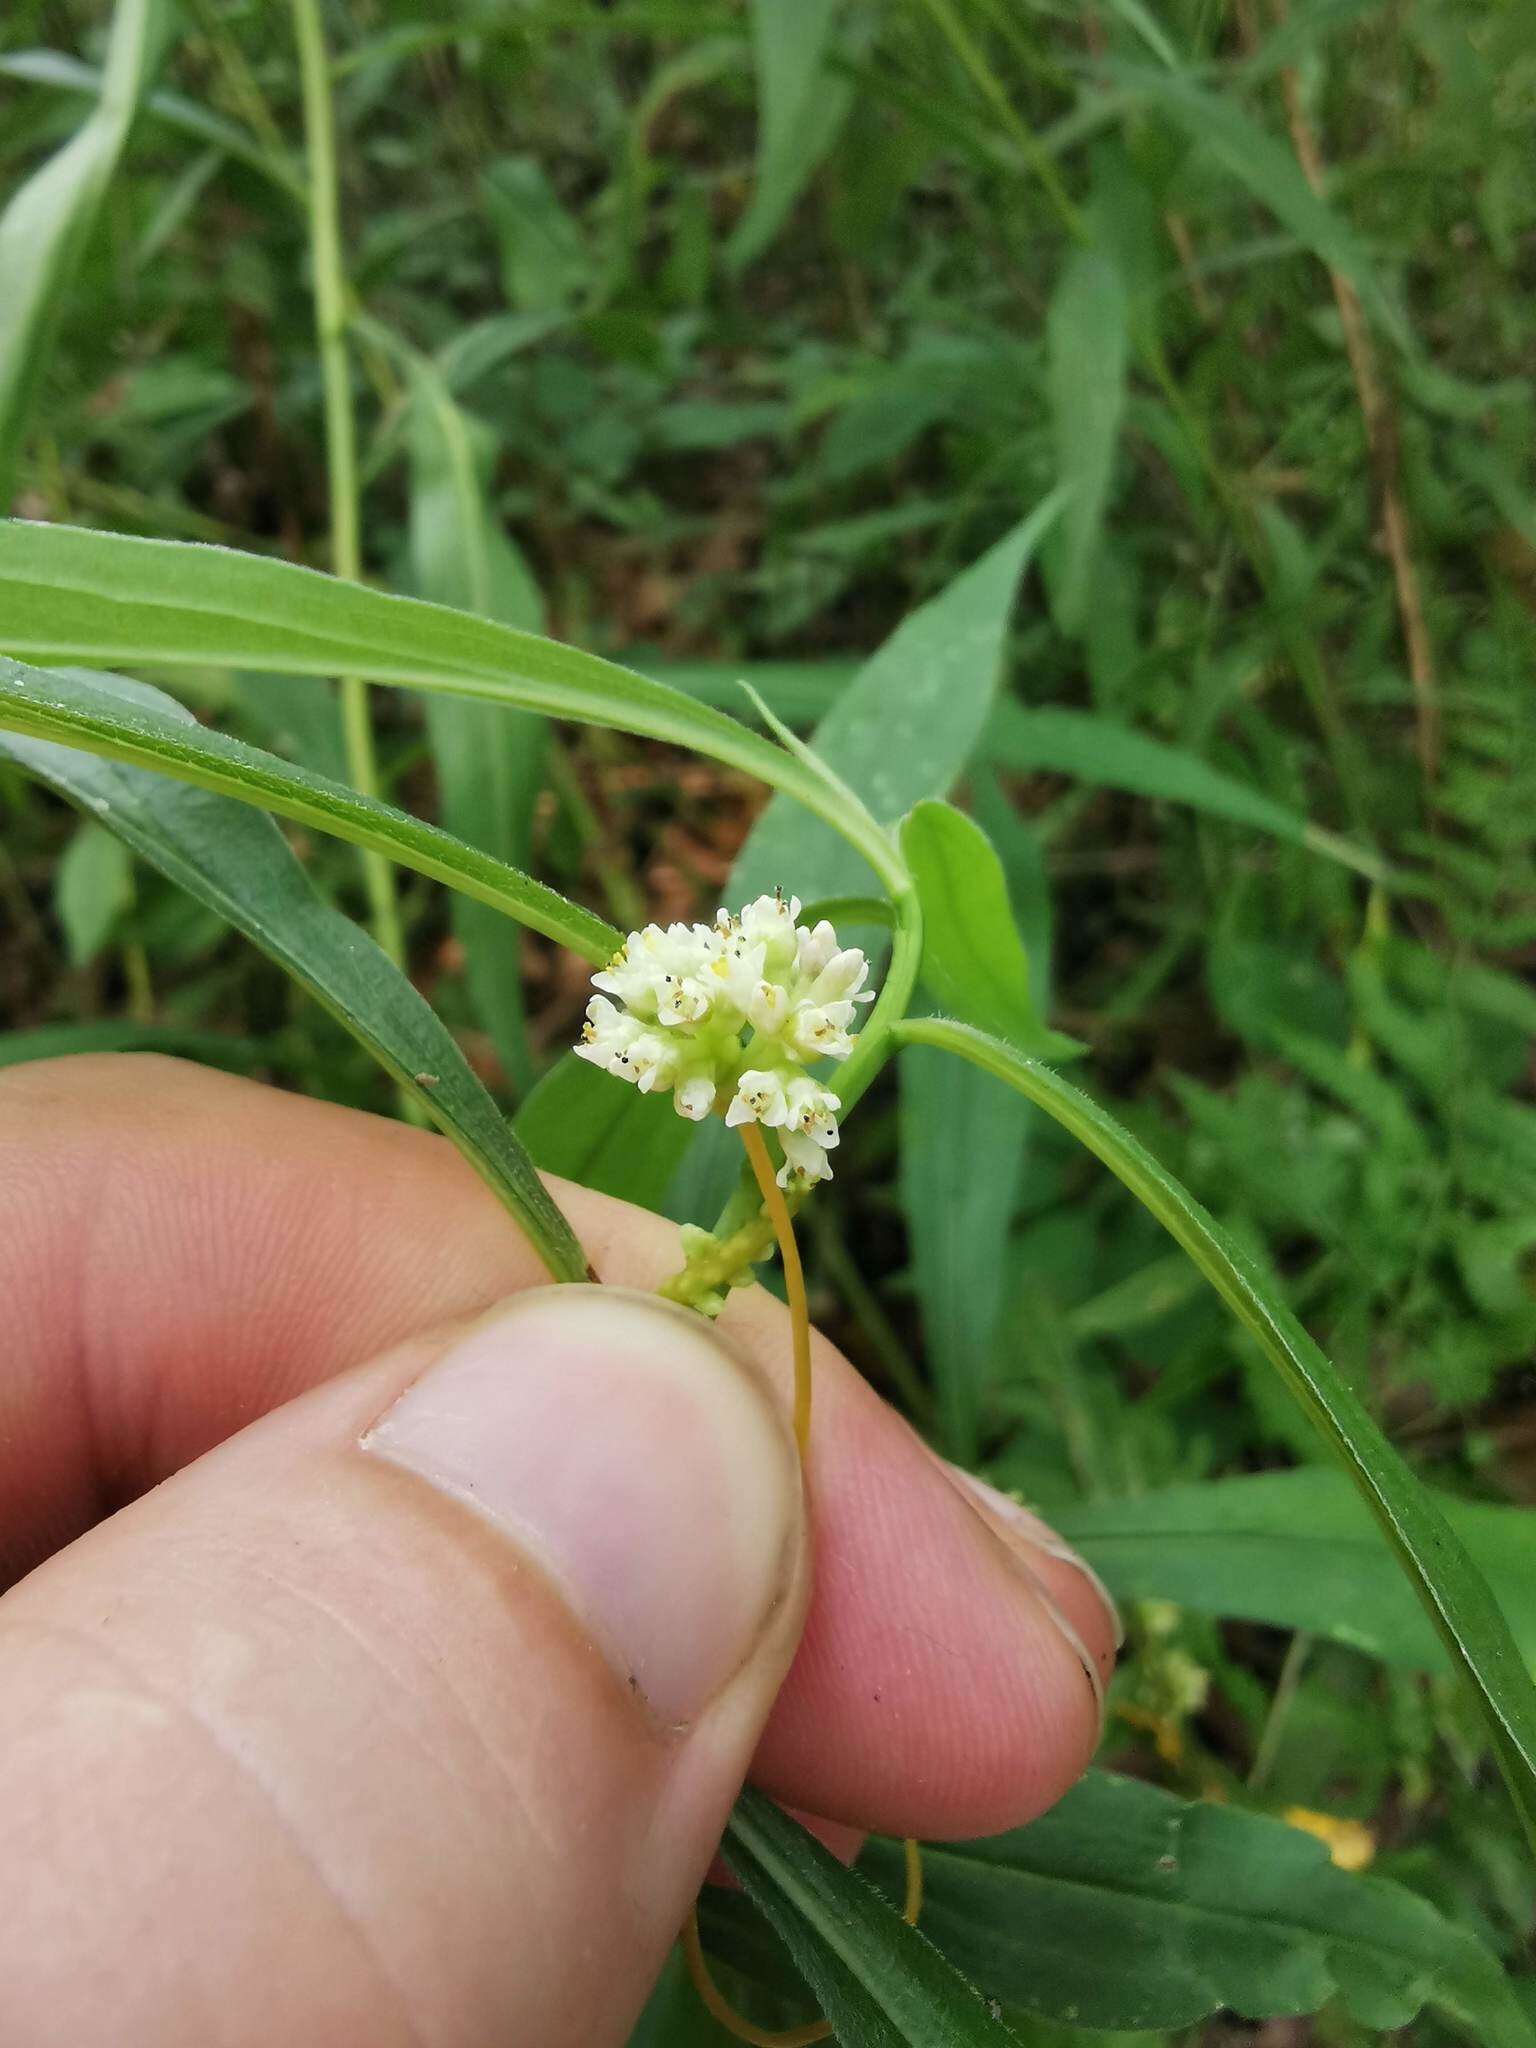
(44, 230)
(149, 730)
(799, 111)
(489, 761)
(1087, 342)
(1267, 168)
(104, 597)
(879, 1982)
(1100, 750)
(906, 725)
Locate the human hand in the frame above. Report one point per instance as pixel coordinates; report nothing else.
(301, 1745)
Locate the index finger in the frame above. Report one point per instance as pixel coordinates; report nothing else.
(182, 1251)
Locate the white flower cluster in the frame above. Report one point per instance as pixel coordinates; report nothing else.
(675, 1003)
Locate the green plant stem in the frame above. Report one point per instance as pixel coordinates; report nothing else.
(992, 90)
(875, 1042)
(621, 893)
(340, 431)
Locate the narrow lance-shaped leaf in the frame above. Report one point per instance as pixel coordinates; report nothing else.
(1464, 1612)
(235, 860)
(44, 230)
(1101, 751)
(905, 725)
(489, 761)
(961, 1168)
(152, 731)
(1256, 159)
(102, 597)
(974, 964)
(799, 110)
(1298, 1550)
(962, 1150)
(1087, 338)
(881, 1983)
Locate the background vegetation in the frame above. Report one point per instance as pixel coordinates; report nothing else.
(722, 341)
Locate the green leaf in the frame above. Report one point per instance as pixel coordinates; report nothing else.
(122, 1034)
(1087, 340)
(962, 1160)
(905, 726)
(489, 761)
(880, 1983)
(799, 111)
(1299, 1550)
(92, 887)
(544, 263)
(1100, 751)
(589, 1127)
(962, 1145)
(235, 860)
(1465, 1615)
(1127, 1907)
(1256, 159)
(974, 963)
(104, 597)
(191, 117)
(148, 729)
(44, 230)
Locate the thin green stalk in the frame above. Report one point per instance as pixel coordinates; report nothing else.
(992, 90)
(621, 893)
(330, 292)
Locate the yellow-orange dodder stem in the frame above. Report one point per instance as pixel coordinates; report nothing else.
(794, 1276)
(711, 1997)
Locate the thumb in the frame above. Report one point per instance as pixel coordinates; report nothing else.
(411, 1714)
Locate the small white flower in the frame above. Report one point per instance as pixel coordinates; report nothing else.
(815, 948)
(820, 1033)
(737, 972)
(805, 1161)
(650, 1062)
(812, 1110)
(768, 1008)
(770, 923)
(607, 1032)
(694, 1099)
(759, 1099)
(841, 979)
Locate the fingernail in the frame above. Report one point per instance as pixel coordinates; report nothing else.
(624, 1446)
(1040, 1536)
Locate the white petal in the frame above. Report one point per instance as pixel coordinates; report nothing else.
(695, 1099)
(803, 1160)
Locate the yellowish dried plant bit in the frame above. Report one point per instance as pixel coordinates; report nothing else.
(728, 1016)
